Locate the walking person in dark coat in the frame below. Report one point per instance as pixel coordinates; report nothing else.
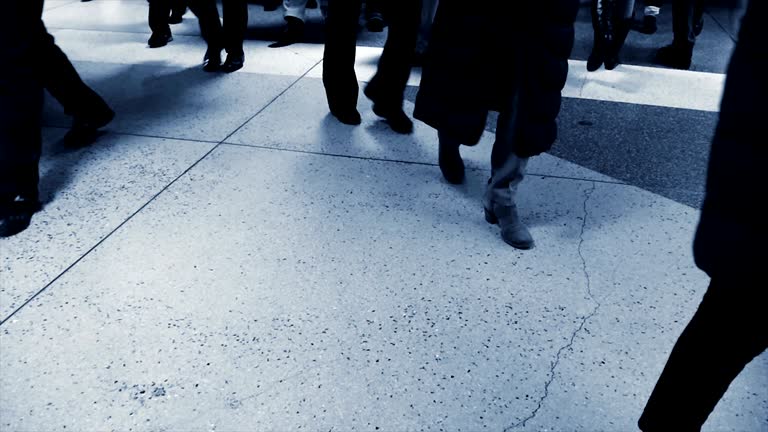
(511, 58)
(386, 88)
(730, 328)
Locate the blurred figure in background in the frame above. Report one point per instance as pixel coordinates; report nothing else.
(651, 11)
(34, 62)
(611, 22)
(730, 327)
(513, 60)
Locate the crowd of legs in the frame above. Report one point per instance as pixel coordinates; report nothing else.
(726, 332)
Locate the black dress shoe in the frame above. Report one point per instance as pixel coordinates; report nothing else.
(85, 126)
(158, 40)
(212, 60)
(391, 112)
(451, 164)
(347, 116)
(234, 62)
(675, 56)
(293, 33)
(16, 214)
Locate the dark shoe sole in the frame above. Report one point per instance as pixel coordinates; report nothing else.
(400, 126)
(351, 118)
(159, 44)
(229, 67)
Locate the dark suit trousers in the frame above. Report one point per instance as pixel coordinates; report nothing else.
(235, 25)
(726, 333)
(404, 17)
(21, 97)
(686, 15)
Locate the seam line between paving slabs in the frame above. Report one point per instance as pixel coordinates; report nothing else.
(406, 162)
(143, 136)
(152, 199)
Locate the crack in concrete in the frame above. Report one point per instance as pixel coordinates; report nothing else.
(556, 361)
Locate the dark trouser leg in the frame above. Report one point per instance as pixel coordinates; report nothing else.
(686, 17)
(235, 25)
(428, 10)
(388, 85)
(339, 76)
(63, 82)
(725, 334)
(210, 26)
(507, 172)
(507, 169)
(159, 10)
(178, 7)
(21, 99)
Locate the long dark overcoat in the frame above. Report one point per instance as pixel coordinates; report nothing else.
(497, 55)
(732, 236)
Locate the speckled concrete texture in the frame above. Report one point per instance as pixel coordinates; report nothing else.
(307, 275)
(279, 291)
(87, 193)
(175, 103)
(638, 257)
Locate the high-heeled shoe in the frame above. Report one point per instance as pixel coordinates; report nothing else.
(513, 230)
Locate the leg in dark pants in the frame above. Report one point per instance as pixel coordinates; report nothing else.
(388, 85)
(211, 31)
(725, 334)
(686, 25)
(158, 16)
(235, 25)
(178, 9)
(687, 18)
(339, 76)
(63, 82)
(21, 101)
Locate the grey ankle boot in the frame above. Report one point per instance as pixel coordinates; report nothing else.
(513, 230)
